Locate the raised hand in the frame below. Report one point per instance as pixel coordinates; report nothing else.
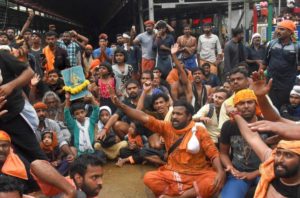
(35, 79)
(147, 86)
(113, 96)
(259, 84)
(175, 48)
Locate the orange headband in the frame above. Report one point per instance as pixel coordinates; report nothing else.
(288, 24)
(40, 105)
(246, 94)
(4, 136)
(293, 146)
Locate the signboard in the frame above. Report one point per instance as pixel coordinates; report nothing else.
(74, 77)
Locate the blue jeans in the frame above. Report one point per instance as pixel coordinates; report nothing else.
(237, 188)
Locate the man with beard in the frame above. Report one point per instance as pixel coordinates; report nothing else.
(118, 121)
(55, 57)
(234, 50)
(72, 48)
(10, 31)
(55, 83)
(119, 40)
(56, 113)
(282, 59)
(46, 124)
(200, 90)
(16, 166)
(291, 111)
(146, 41)
(188, 172)
(255, 53)
(208, 45)
(210, 78)
(243, 167)
(36, 51)
(238, 81)
(86, 175)
(87, 59)
(188, 45)
(280, 170)
(209, 114)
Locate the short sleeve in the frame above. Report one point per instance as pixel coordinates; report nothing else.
(226, 133)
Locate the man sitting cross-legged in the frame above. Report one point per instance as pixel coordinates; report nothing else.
(194, 167)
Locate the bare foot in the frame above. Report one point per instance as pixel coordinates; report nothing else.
(121, 162)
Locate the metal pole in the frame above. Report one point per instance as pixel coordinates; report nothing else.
(270, 19)
(229, 18)
(141, 21)
(279, 7)
(151, 9)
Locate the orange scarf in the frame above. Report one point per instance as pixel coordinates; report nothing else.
(266, 169)
(50, 148)
(188, 134)
(13, 166)
(50, 57)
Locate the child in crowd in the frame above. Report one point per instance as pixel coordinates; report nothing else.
(81, 127)
(132, 153)
(122, 71)
(50, 147)
(111, 144)
(106, 79)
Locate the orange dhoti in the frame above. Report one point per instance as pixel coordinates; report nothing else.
(147, 64)
(166, 182)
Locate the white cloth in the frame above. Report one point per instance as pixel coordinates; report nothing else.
(84, 136)
(193, 145)
(100, 124)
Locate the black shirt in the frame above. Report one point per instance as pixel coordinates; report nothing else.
(61, 59)
(284, 190)
(253, 54)
(244, 158)
(11, 68)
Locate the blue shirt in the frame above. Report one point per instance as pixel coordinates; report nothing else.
(97, 52)
(72, 49)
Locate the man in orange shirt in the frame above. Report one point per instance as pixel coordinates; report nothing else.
(194, 167)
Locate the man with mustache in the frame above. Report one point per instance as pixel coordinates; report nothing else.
(187, 173)
(208, 45)
(118, 121)
(282, 59)
(242, 167)
(280, 170)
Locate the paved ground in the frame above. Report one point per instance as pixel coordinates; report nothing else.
(125, 182)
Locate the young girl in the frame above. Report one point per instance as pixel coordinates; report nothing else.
(104, 81)
(122, 71)
(50, 147)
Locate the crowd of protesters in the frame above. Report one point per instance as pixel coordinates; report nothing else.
(155, 98)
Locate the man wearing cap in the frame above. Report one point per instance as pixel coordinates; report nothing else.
(243, 166)
(255, 53)
(282, 59)
(280, 170)
(146, 41)
(291, 111)
(208, 45)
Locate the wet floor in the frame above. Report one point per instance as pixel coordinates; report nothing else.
(125, 182)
